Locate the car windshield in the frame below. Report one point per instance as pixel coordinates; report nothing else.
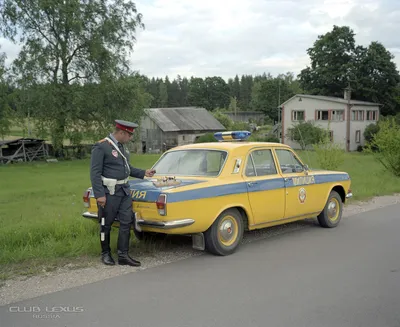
(191, 162)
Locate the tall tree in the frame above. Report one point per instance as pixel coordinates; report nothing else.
(70, 42)
(333, 57)
(377, 78)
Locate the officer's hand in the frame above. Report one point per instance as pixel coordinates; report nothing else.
(150, 172)
(101, 201)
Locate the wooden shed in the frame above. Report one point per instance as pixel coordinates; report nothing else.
(22, 149)
(164, 128)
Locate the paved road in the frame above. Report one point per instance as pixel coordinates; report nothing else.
(348, 276)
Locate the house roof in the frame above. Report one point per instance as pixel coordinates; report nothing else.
(333, 99)
(184, 119)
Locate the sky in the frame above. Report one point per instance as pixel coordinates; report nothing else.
(217, 38)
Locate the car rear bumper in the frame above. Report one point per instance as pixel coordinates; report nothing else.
(152, 223)
(165, 224)
(88, 214)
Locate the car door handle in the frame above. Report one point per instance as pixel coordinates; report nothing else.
(252, 183)
(288, 179)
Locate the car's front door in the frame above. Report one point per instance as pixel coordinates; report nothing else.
(299, 185)
(265, 186)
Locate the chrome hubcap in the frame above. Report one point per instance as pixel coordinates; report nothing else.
(226, 231)
(332, 209)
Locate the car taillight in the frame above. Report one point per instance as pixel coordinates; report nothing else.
(86, 198)
(162, 204)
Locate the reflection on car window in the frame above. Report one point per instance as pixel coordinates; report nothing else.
(288, 162)
(263, 163)
(191, 162)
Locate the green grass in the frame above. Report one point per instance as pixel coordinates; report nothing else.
(40, 213)
(41, 207)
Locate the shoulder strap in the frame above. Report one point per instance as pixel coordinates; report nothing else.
(117, 148)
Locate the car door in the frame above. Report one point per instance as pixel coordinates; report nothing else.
(300, 186)
(266, 191)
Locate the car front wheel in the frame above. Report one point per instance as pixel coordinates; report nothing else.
(225, 234)
(332, 213)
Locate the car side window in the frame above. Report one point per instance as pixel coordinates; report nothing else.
(263, 163)
(288, 162)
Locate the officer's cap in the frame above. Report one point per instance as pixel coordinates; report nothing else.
(125, 125)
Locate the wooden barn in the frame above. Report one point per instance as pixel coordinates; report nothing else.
(164, 128)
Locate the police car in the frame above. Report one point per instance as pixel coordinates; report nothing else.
(217, 191)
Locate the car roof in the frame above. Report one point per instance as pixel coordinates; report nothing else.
(227, 145)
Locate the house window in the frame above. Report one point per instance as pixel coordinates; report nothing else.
(358, 136)
(298, 115)
(372, 115)
(357, 115)
(337, 115)
(322, 115)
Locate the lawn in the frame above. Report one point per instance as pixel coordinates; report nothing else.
(41, 206)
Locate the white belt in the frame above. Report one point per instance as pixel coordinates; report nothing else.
(111, 182)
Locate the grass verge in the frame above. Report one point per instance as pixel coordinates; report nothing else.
(41, 206)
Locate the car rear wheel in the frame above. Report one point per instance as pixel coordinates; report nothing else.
(225, 234)
(332, 213)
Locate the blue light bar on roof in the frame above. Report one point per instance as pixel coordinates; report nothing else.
(232, 136)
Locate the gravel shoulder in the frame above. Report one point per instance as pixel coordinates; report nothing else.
(22, 288)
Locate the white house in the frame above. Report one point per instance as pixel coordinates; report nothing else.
(333, 113)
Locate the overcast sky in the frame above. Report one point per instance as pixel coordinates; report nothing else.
(224, 38)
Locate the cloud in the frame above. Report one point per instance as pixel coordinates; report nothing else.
(214, 37)
(204, 37)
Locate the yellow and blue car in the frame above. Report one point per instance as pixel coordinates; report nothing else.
(216, 191)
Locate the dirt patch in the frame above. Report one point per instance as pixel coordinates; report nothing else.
(73, 274)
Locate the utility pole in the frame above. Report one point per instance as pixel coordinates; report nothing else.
(347, 92)
(279, 107)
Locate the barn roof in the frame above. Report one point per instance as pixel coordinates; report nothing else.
(333, 99)
(184, 119)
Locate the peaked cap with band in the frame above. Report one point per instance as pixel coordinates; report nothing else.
(125, 125)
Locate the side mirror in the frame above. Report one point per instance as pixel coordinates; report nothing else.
(306, 169)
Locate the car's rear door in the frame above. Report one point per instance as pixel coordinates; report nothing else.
(265, 186)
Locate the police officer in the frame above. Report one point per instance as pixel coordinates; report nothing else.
(109, 173)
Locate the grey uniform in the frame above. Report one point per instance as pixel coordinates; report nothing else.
(107, 161)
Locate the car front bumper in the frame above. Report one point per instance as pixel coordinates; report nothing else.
(349, 195)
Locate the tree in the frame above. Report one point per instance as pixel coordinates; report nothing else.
(376, 78)
(336, 61)
(333, 58)
(69, 43)
(268, 94)
(5, 111)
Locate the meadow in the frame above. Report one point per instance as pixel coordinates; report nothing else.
(41, 207)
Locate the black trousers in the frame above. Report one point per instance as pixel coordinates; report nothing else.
(120, 207)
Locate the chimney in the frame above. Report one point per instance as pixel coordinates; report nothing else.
(347, 93)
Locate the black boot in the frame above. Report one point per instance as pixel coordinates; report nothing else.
(107, 259)
(125, 260)
(123, 246)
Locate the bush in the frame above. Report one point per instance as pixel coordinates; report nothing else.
(330, 155)
(385, 145)
(306, 133)
(209, 137)
(225, 120)
(370, 131)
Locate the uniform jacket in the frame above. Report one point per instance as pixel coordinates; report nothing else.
(107, 162)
